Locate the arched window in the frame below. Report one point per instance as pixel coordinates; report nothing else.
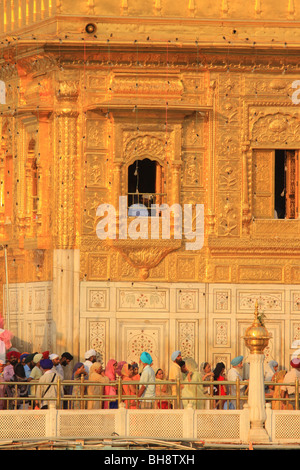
(145, 186)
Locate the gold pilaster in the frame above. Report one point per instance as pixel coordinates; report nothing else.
(65, 164)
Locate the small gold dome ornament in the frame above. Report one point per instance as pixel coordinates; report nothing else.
(257, 336)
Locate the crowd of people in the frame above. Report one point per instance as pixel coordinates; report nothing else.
(92, 386)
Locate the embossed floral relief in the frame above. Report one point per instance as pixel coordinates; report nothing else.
(274, 128)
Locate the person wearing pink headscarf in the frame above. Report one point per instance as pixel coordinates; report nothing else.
(119, 368)
(111, 390)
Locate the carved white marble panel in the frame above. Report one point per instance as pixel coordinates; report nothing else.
(97, 338)
(136, 337)
(222, 300)
(186, 338)
(40, 300)
(187, 300)
(97, 299)
(16, 299)
(143, 300)
(295, 302)
(295, 332)
(268, 301)
(222, 333)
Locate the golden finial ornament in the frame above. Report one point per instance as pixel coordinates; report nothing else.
(257, 336)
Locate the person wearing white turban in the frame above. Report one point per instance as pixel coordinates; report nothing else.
(287, 390)
(90, 357)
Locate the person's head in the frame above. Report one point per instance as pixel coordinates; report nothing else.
(91, 355)
(176, 357)
(135, 368)
(66, 358)
(37, 358)
(207, 367)
(159, 374)
(127, 371)
(237, 362)
(23, 357)
(146, 359)
(54, 358)
(295, 363)
(29, 360)
(219, 370)
(13, 357)
(273, 365)
(96, 367)
(46, 364)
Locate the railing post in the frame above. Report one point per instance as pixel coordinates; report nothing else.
(16, 396)
(82, 406)
(178, 393)
(119, 391)
(296, 394)
(58, 398)
(238, 394)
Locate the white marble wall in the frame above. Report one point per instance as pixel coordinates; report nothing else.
(205, 321)
(121, 319)
(30, 316)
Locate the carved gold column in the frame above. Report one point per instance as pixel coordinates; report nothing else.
(117, 191)
(2, 188)
(65, 163)
(246, 213)
(211, 215)
(176, 173)
(29, 222)
(43, 171)
(66, 264)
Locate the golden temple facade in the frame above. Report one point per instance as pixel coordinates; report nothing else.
(200, 100)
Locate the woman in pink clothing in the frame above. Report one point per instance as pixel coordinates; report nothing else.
(111, 390)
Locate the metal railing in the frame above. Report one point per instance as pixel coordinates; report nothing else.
(176, 400)
(146, 200)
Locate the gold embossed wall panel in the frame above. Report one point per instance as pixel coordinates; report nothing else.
(227, 150)
(263, 171)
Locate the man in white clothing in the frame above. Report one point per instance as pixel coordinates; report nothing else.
(147, 377)
(47, 388)
(234, 373)
(288, 390)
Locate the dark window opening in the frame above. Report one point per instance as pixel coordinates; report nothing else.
(280, 182)
(286, 184)
(145, 186)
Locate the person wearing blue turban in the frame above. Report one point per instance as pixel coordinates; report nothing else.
(236, 361)
(147, 380)
(146, 358)
(234, 373)
(46, 390)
